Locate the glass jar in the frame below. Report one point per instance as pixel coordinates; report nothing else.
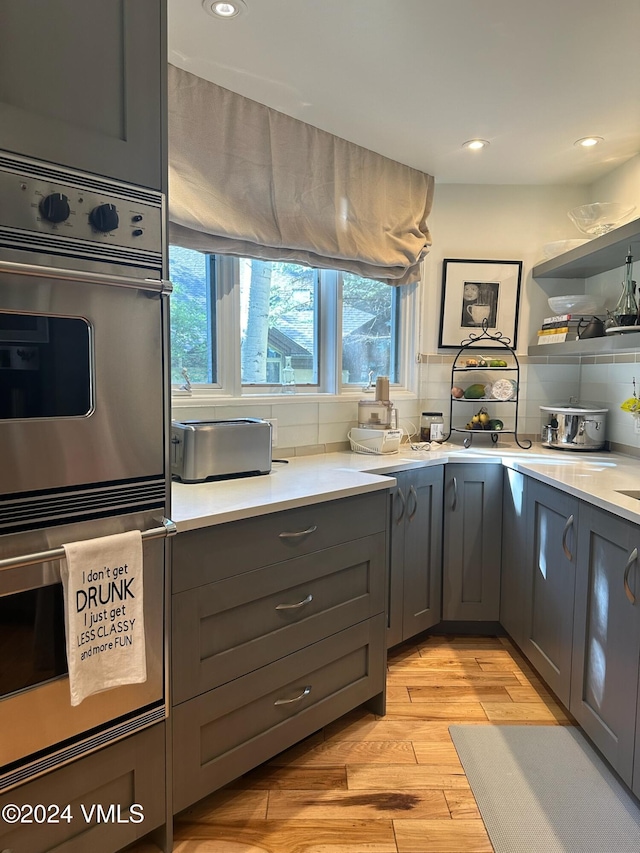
(288, 377)
(431, 427)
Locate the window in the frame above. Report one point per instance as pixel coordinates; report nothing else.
(278, 330)
(247, 326)
(193, 317)
(369, 329)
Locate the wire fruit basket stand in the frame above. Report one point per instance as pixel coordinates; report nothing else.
(504, 392)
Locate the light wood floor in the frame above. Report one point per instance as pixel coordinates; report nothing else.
(392, 784)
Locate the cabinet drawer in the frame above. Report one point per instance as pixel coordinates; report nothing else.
(213, 553)
(224, 733)
(130, 771)
(229, 628)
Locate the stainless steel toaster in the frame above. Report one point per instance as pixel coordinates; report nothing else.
(203, 450)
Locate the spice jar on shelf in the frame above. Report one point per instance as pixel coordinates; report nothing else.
(432, 427)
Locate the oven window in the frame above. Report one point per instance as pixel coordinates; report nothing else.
(45, 366)
(32, 638)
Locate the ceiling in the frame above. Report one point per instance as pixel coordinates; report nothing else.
(414, 79)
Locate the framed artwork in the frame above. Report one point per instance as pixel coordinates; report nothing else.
(477, 291)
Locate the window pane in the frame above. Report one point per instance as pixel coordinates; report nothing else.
(369, 329)
(279, 322)
(192, 317)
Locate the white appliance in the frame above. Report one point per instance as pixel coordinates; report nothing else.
(375, 441)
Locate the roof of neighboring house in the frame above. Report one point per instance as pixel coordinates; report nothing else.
(293, 335)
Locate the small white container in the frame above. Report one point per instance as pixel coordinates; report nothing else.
(375, 441)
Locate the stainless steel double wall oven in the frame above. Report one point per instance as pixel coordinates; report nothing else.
(83, 421)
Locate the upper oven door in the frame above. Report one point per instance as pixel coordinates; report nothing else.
(81, 379)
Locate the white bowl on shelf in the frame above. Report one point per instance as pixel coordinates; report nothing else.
(579, 303)
(559, 247)
(600, 217)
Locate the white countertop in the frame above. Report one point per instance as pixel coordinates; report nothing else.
(594, 477)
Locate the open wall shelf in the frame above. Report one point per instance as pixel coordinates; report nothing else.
(601, 254)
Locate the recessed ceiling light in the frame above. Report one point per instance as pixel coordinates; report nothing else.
(588, 141)
(475, 144)
(219, 9)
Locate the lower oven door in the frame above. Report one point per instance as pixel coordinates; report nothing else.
(35, 711)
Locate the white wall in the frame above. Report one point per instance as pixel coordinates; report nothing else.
(621, 185)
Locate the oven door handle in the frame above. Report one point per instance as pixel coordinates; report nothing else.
(168, 529)
(159, 286)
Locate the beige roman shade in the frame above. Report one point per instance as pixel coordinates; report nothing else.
(249, 181)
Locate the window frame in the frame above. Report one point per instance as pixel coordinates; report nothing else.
(223, 274)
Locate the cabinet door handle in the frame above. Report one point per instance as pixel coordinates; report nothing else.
(299, 534)
(413, 492)
(454, 502)
(400, 496)
(295, 606)
(633, 556)
(567, 528)
(304, 693)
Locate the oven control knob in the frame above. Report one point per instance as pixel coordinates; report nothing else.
(55, 207)
(104, 218)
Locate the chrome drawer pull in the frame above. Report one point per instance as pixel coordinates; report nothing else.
(302, 603)
(403, 503)
(633, 556)
(567, 527)
(300, 534)
(412, 492)
(454, 502)
(304, 693)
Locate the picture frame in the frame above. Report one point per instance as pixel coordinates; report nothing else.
(475, 292)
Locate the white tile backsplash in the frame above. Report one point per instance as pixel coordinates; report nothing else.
(338, 411)
(330, 433)
(295, 436)
(292, 414)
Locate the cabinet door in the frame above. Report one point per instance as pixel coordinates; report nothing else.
(100, 791)
(397, 513)
(550, 560)
(514, 534)
(606, 635)
(472, 542)
(82, 85)
(422, 588)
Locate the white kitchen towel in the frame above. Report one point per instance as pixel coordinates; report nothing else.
(104, 618)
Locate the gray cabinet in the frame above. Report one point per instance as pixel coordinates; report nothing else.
(606, 636)
(472, 542)
(278, 628)
(549, 558)
(514, 535)
(239, 624)
(130, 771)
(84, 85)
(225, 732)
(415, 574)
